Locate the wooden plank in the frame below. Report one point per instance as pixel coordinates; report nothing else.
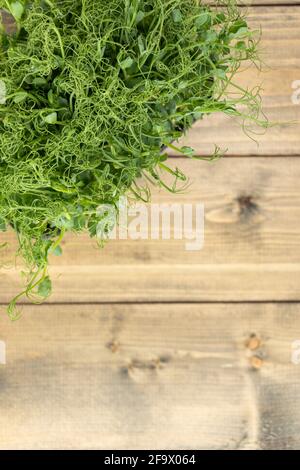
(280, 50)
(129, 377)
(251, 249)
(270, 2)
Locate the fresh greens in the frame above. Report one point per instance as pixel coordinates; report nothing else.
(91, 93)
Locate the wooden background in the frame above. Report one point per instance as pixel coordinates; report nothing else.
(145, 345)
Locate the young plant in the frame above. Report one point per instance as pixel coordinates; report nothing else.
(91, 94)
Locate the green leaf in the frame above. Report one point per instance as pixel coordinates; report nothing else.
(141, 45)
(62, 188)
(2, 225)
(39, 81)
(51, 118)
(127, 63)
(220, 18)
(202, 20)
(79, 222)
(50, 97)
(164, 157)
(17, 10)
(237, 25)
(239, 34)
(241, 46)
(45, 287)
(2, 92)
(56, 252)
(197, 115)
(220, 73)
(64, 222)
(20, 96)
(231, 111)
(211, 36)
(177, 15)
(139, 17)
(188, 151)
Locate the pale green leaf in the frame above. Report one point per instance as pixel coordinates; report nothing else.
(20, 96)
(17, 10)
(177, 15)
(45, 287)
(51, 118)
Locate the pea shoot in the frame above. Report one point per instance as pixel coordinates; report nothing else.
(92, 93)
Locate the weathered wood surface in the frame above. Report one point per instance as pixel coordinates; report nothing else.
(151, 376)
(251, 249)
(280, 51)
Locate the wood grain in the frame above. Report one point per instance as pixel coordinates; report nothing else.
(280, 51)
(251, 249)
(151, 376)
(167, 375)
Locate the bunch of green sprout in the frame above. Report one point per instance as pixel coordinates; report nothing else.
(92, 92)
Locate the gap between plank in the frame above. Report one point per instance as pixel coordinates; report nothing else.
(227, 155)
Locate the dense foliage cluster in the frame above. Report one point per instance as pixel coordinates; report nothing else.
(91, 93)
